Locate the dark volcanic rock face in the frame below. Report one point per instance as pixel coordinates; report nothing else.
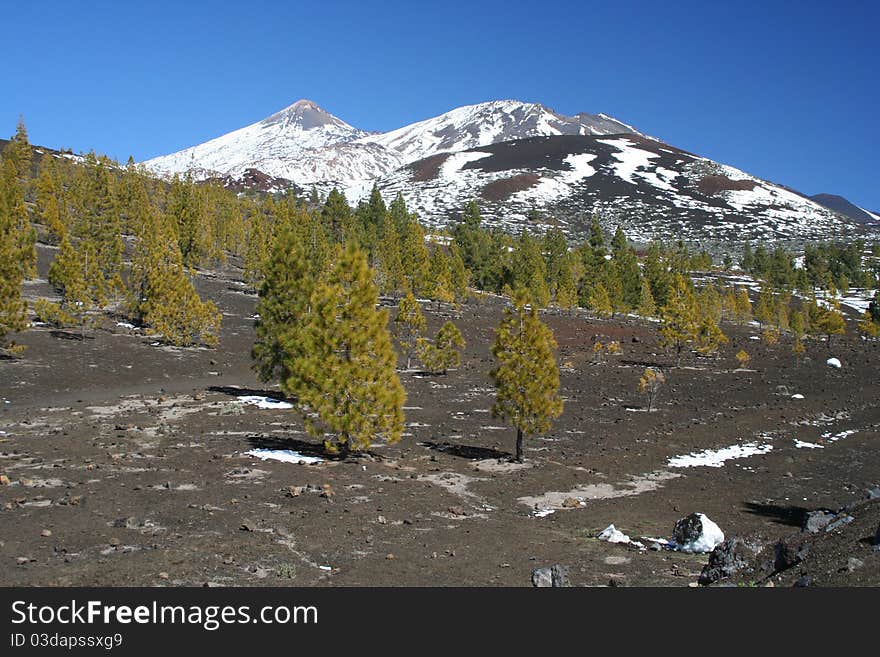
(844, 207)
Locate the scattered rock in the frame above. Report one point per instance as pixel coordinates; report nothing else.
(874, 493)
(853, 564)
(457, 511)
(803, 581)
(570, 503)
(128, 523)
(382, 520)
(729, 557)
(816, 521)
(788, 553)
(555, 576)
(22, 560)
(390, 557)
(4, 480)
(115, 542)
(46, 533)
(163, 575)
(839, 522)
(248, 526)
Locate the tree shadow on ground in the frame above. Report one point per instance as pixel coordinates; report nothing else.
(258, 441)
(234, 391)
(467, 451)
(68, 335)
(644, 363)
(793, 516)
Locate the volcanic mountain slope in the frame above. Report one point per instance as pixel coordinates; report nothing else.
(655, 191)
(302, 143)
(307, 145)
(845, 207)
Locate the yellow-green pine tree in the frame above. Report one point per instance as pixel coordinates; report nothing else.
(526, 377)
(600, 301)
(409, 324)
(284, 305)
(448, 342)
(679, 318)
(346, 383)
(647, 307)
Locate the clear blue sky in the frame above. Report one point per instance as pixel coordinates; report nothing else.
(784, 90)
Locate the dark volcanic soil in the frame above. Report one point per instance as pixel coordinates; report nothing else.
(126, 463)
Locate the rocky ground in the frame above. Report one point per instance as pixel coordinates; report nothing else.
(124, 462)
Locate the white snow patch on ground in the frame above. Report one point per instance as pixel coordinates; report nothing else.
(716, 458)
(797, 395)
(833, 438)
(125, 325)
(549, 189)
(613, 535)
(834, 362)
(264, 402)
(456, 161)
(284, 455)
(542, 513)
(800, 444)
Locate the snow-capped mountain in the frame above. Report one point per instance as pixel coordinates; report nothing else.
(306, 144)
(302, 143)
(514, 157)
(490, 123)
(655, 191)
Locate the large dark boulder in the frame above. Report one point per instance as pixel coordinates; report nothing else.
(730, 557)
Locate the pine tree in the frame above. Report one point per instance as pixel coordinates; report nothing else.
(650, 382)
(162, 296)
(448, 343)
(337, 217)
(415, 259)
(440, 286)
(764, 308)
(600, 301)
(409, 324)
(826, 321)
(526, 377)
(743, 307)
(17, 220)
(258, 240)
(460, 274)
(18, 256)
(51, 206)
(626, 265)
(284, 305)
(646, 307)
(13, 309)
(555, 251)
(389, 262)
(76, 274)
(566, 288)
(679, 318)
(709, 336)
(346, 382)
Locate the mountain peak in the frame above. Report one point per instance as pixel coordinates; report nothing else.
(304, 114)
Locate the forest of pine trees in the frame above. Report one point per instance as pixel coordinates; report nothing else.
(128, 244)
